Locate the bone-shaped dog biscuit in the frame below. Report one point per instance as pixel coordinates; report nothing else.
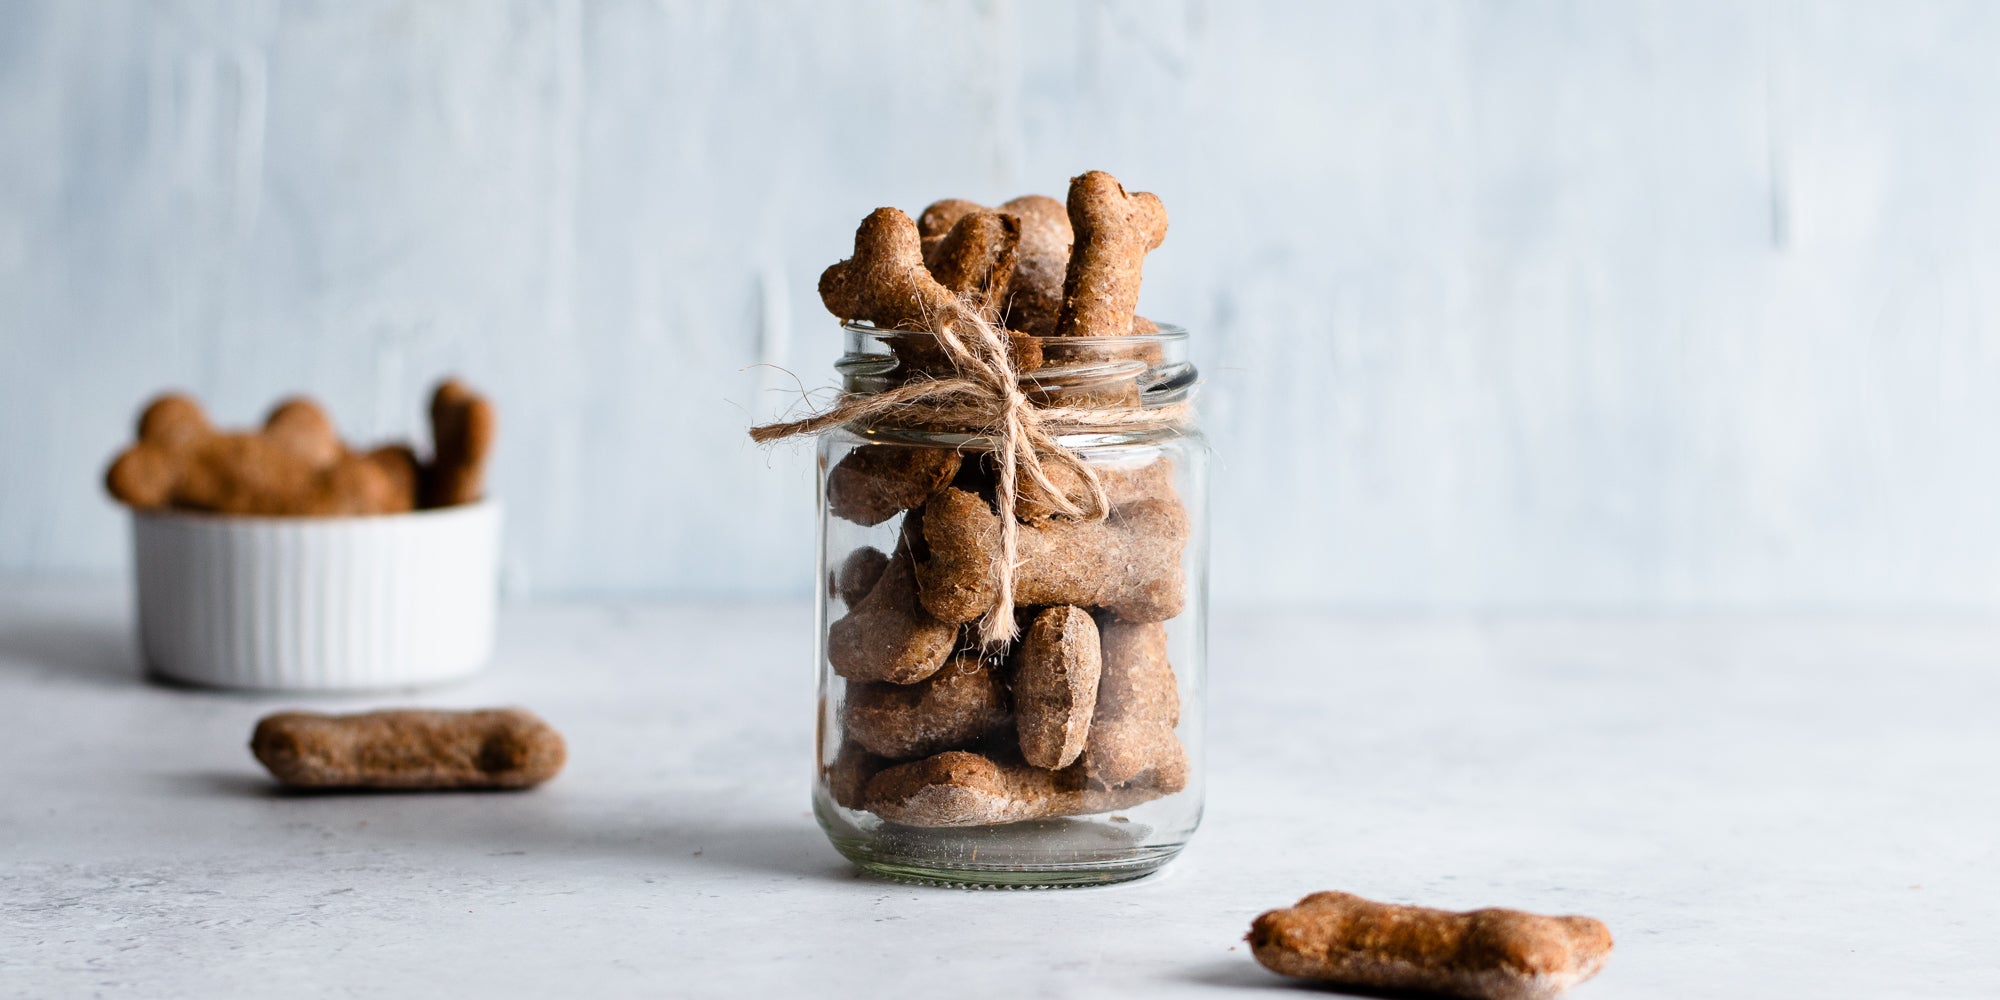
(960, 788)
(1114, 231)
(963, 703)
(888, 636)
(858, 574)
(875, 482)
(1132, 736)
(1056, 666)
(1491, 954)
(1128, 564)
(409, 749)
(976, 260)
(295, 465)
(463, 425)
(885, 282)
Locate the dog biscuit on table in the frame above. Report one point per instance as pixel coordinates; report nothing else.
(409, 749)
(1493, 954)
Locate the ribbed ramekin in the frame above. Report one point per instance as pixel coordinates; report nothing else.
(317, 604)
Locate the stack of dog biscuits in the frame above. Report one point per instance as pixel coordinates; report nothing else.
(1076, 715)
(296, 465)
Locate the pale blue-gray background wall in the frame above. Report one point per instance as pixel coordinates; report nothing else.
(1622, 305)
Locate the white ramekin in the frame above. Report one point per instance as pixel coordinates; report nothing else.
(317, 603)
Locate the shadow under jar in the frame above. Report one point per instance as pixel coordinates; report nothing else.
(1072, 754)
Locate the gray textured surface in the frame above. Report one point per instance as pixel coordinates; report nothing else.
(1757, 807)
(1503, 304)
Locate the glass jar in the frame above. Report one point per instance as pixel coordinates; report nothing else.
(1071, 755)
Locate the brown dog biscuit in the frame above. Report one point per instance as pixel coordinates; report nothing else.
(940, 216)
(1132, 738)
(888, 636)
(875, 482)
(301, 427)
(1056, 666)
(962, 704)
(848, 773)
(409, 749)
(1137, 680)
(295, 465)
(1123, 484)
(858, 573)
(173, 435)
(174, 421)
(248, 474)
(463, 425)
(885, 282)
(143, 476)
(401, 473)
(1492, 954)
(245, 474)
(1113, 233)
(1128, 564)
(378, 482)
(959, 788)
(1035, 295)
(1134, 750)
(976, 260)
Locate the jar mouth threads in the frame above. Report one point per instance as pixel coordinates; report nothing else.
(1150, 369)
(1167, 333)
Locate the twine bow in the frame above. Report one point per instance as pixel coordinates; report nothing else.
(984, 398)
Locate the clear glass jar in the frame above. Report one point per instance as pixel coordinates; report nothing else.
(1073, 755)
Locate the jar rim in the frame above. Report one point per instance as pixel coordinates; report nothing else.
(1169, 334)
(1153, 364)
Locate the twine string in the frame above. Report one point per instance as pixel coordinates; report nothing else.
(983, 398)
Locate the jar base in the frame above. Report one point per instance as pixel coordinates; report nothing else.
(1072, 877)
(1044, 854)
